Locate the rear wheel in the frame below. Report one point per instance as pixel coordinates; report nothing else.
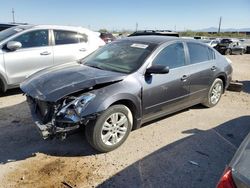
(111, 128)
(228, 52)
(214, 94)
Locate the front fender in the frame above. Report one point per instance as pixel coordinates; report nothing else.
(128, 90)
(121, 97)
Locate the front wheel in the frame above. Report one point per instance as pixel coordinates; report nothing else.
(111, 128)
(214, 94)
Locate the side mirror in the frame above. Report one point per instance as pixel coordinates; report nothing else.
(157, 69)
(14, 45)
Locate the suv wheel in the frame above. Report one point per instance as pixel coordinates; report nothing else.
(111, 128)
(214, 94)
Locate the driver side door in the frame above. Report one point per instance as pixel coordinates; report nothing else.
(165, 93)
(34, 55)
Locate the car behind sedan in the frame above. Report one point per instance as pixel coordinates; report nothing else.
(26, 49)
(125, 84)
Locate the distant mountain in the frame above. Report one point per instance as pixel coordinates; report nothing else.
(215, 29)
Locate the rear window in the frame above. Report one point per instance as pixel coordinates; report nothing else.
(226, 41)
(69, 37)
(199, 53)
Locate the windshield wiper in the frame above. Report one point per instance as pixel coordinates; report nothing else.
(95, 66)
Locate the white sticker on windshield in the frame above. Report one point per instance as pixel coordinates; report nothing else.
(143, 46)
(18, 29)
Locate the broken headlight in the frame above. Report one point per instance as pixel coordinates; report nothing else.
(76, 106)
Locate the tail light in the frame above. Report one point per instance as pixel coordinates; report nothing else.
(226, 180)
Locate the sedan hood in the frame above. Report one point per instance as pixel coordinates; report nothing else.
(54, 83)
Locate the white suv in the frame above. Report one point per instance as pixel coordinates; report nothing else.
(27, 49)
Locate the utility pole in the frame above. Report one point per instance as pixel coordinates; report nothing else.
(219, 25)
(136, 26)
(13, 15)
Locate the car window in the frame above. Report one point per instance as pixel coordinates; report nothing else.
(199, 53)
(172, 56)
(65, 37)
(9, 32)
(36, 38)
(82, 37)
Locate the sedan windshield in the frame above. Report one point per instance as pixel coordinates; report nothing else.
(121, 56)
(9, 32)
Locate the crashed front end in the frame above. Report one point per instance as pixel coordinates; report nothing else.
(62, 117)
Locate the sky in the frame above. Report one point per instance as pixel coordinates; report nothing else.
(123, 15)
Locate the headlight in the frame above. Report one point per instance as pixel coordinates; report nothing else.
(77, 105)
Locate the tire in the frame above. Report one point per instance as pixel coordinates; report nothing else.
(228, 52)
(111, 128)
(214, 94)
(1, 87)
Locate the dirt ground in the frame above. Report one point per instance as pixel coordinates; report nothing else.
(186, 149)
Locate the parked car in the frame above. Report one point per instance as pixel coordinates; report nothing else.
(29, 48)
(211, 43)
(237, 173)
(124, 84)
(230, 46)
(155, 32)
(107, 37)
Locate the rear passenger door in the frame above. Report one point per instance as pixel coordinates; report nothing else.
(202, 68)
(69, 46)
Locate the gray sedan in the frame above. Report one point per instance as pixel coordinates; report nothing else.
(125, 84)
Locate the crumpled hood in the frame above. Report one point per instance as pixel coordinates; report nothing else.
(54, 83)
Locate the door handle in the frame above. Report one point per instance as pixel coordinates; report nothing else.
(213, 68)
(45, 53)
(184, 78)
(82, 50)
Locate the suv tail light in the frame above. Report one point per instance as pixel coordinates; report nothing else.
(226, 180)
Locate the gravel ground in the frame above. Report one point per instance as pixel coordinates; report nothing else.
(186, 149)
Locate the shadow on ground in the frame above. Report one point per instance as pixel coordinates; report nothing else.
(195, 161)
(10, 92)
(19, 138)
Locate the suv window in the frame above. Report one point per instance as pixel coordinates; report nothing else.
(36, 38)
(172, 56)
(199, 53)
(82, 37)
(69, 37)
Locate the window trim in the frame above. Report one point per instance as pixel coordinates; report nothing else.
(28, 31)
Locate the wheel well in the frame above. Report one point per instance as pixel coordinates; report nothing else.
(132, 108)
(223, 80)
(1, 86)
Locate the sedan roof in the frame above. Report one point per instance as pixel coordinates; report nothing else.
(157, 40)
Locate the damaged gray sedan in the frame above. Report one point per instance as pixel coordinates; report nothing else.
(123, 85)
